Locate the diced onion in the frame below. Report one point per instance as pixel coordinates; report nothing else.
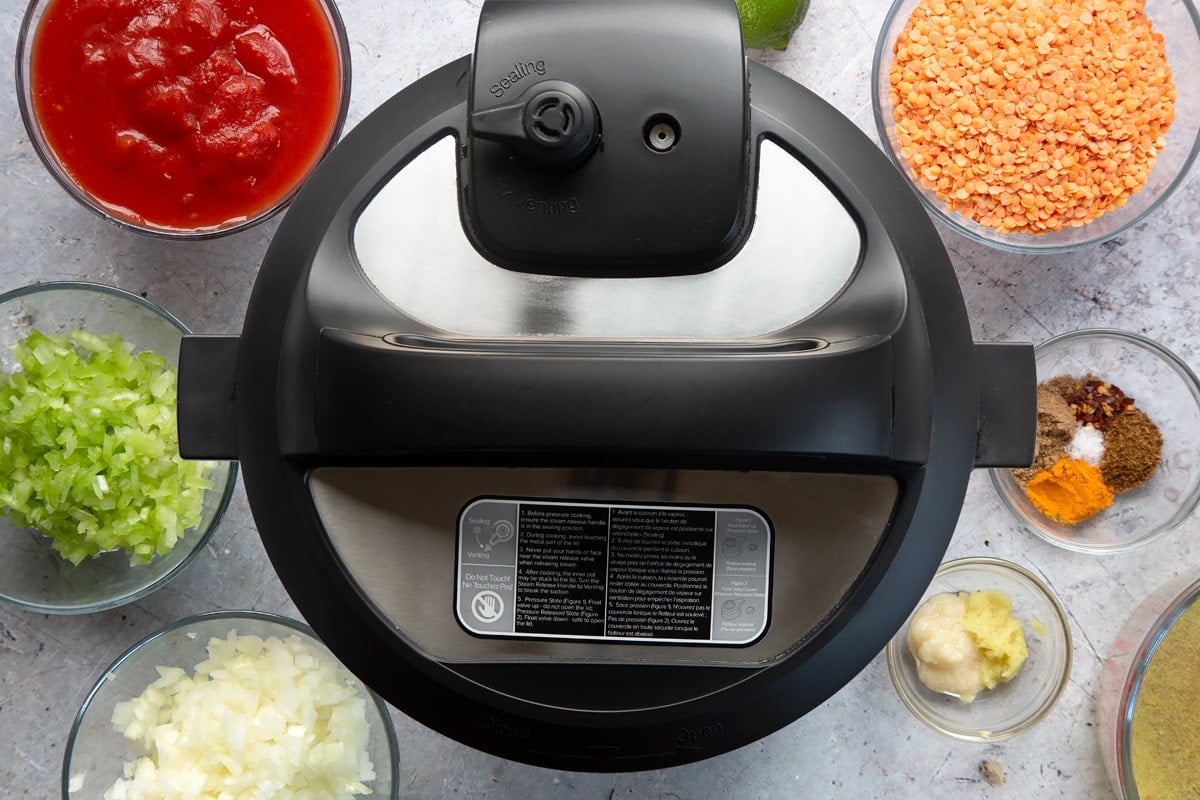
(90, 447)
(258, 719)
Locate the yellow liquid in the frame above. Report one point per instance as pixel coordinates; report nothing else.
(1166, 720)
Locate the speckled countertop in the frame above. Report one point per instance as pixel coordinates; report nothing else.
(862, 742)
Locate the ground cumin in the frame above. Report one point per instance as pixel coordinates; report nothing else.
(1132, 450)
(1055, 429)
(1031, 115)
(1070, 491)
(1065, 385)
(1166, 719)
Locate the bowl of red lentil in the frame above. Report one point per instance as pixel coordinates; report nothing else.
(1041, 125)
(1117, 459)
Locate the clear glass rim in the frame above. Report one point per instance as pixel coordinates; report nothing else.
(1002, 477)
(1137, 674)
(57, 171)
(230, 467)
(381, 708)
(894, 652)
(1026, 243)
(100, 288)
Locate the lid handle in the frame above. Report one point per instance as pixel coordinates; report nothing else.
(206, 409)
(607, 139)
(1007, 404)
(390, 399)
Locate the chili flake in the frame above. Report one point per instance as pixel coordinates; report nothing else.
(1096, 402)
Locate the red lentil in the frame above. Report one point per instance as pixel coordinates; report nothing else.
(1031, 115)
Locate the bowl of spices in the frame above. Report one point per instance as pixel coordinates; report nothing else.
(1117, 457)
(986, 654)
(182, 119)
(1148, 710)
(1039, 126)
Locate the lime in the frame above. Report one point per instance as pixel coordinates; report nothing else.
(770, 23)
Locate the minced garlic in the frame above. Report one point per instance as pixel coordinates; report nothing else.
(967, 642)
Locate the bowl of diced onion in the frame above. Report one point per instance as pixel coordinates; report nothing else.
(97, 508)
(231, 704)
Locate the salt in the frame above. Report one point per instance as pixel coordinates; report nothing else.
(1087, 445)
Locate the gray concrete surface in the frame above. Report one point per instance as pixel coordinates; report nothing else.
(862, 743)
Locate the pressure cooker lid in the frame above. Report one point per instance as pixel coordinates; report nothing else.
(606, 400)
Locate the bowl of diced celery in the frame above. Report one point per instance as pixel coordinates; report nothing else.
(97, 508)
(231, 704)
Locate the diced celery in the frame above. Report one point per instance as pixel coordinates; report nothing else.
(89, 453)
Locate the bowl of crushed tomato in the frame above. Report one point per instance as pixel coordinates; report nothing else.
(183, 118)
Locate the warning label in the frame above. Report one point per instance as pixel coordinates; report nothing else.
(562, 568)
(613, 572)
(661, 576)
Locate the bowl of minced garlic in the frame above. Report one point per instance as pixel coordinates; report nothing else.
(986, 653)
(1039, 125)
(1117, 455)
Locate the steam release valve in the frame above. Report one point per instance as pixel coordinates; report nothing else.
(553, 123)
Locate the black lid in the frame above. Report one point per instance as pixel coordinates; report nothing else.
(337, 369)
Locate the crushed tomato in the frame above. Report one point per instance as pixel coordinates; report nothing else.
(186, 114)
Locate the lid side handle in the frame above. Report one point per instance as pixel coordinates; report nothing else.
(205, 409)
(1007, 404)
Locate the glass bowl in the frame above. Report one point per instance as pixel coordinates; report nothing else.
(209, 139)
(34, 576)
(97, 751)
(1124, 678)
(1013, 707)
(1167, 390)
(1178, 23)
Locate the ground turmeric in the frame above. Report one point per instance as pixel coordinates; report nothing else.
(1070, 491)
